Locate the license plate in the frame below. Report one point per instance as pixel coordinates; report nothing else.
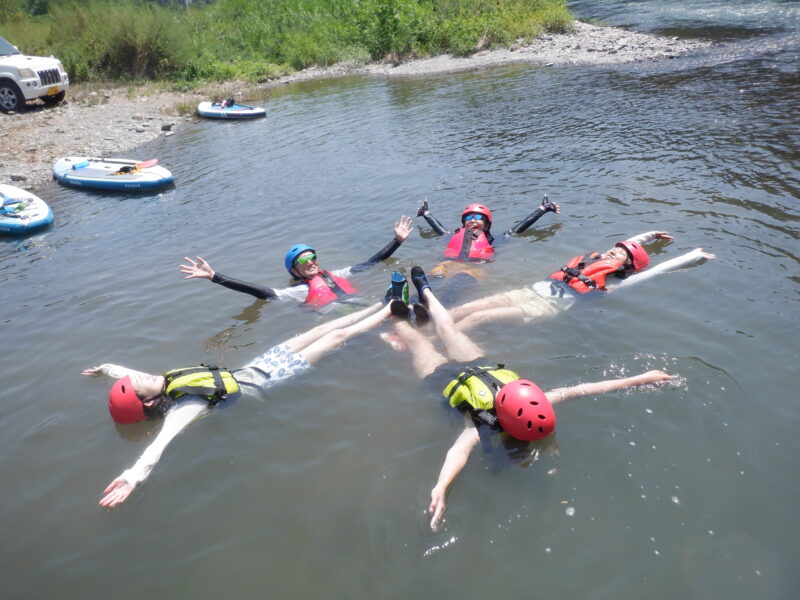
(52, 91)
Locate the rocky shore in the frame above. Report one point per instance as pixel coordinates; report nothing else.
(114, 121)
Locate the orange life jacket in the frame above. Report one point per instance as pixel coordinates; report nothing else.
(324, 288)
(465, 243)
(587, 273)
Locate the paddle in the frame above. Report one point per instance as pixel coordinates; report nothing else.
(151, 162)
(145, 164)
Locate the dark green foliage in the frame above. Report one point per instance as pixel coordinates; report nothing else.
(257, 39)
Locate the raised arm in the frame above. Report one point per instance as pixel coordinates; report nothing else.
(650, 236)
(603, 387)
(454, 463)
(684, 260)
(175, 422)
(118, 372)
(200, 269)
(545, 207)
(402, 229)
(425, 213)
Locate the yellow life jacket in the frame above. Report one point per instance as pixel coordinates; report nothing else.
(478, 387)
(209, 381)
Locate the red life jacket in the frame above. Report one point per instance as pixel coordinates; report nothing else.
(325, 288)
(465, 243)
(586, 273)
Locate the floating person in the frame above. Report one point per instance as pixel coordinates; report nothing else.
(487, 395)
(581, 276)
(314, 286)
(181, 396)
(473, 241)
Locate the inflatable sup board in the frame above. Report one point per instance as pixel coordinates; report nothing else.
(111, 173)
(21, 211)
(236, 111)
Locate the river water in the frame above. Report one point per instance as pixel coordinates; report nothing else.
(320, 491)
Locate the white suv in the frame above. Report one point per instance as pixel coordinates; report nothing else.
(24, 78)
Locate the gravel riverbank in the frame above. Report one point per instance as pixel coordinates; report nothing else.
(114, 121)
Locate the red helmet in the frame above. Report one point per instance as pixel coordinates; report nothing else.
(478, 209)
(638, 254)
(123, 403)
(524, 411)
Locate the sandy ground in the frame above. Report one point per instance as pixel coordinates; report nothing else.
(114, 121)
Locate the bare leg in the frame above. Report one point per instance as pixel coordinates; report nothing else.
(497, 300)
(335, 338)
(425, 356)
(512, 314)
(459, 347)
(301, 341)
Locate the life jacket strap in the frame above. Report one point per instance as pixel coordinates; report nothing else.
(466, 243)
(571, 273)
(492, 382)
(220, 393)
(331, 283)
(576, 271)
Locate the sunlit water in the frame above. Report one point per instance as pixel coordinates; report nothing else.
(320, 491)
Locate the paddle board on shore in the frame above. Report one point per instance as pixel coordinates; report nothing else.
(22, 212)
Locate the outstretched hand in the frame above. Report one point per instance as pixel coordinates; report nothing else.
(403, 228)
(707, 255)
(551, 206)
(197, 270)
(437, 507)
(663, 235)
(116, 493)
(92, 371)
(656, 377)
(423, 207)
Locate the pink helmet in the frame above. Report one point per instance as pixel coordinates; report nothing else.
(478, 209)
(638, 254)
(123, 403)
(524, 411)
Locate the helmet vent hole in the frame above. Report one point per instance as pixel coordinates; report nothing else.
(123, 388)
(519, 412)
(534, 403)
(541, 430)
(530, 425)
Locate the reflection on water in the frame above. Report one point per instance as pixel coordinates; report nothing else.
(677, 492)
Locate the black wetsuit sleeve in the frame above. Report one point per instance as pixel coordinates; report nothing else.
(264, 293)
(382, 254)
(546, 207)
(432, 221)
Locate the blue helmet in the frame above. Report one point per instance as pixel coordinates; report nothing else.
(292, 255)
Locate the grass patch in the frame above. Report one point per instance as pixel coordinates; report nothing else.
(257, 40)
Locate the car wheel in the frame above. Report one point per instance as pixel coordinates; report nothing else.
(51, 100)
(10, 96)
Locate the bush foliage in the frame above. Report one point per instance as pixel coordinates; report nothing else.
(255, 40)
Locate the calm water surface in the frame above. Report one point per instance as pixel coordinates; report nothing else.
(320, 491)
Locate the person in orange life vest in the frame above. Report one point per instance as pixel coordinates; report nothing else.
(474, 240)
(137, 396)
(313, 285)
(581, 276)
(515, 406)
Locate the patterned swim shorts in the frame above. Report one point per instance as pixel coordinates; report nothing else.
(276, 364)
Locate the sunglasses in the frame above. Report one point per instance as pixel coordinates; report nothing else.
(306, 259)
(473, 217)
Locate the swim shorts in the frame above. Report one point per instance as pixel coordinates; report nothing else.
(533, 305)
(276, 364)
